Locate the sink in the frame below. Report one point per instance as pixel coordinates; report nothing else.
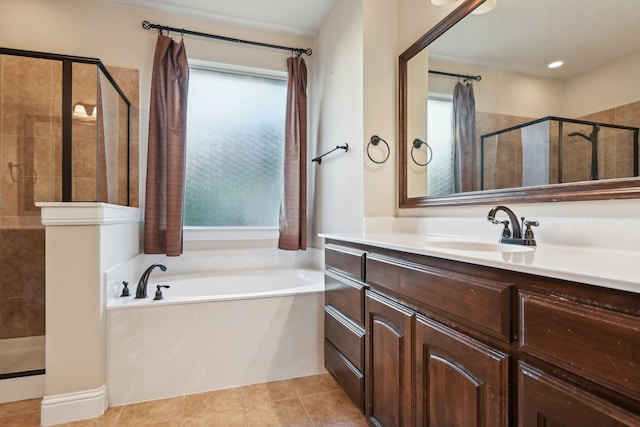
(476, 246)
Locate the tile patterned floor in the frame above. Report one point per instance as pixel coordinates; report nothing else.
(313, 401)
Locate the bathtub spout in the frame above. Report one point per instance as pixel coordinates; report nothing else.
(141, 290)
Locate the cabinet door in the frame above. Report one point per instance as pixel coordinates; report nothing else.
(388, 379)
(546, 401)
(459, 381)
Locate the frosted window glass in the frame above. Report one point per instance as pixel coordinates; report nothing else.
(440, 137)
(235, 140)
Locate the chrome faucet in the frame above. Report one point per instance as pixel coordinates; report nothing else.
(514, 235)
(141, 290)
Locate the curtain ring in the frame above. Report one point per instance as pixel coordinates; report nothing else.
(375, 140)
(417, 143)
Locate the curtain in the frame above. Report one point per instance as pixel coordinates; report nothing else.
(164, 204)
(465, 157)
(293, 207)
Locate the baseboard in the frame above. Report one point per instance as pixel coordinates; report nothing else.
(21, 388)
(65, 408)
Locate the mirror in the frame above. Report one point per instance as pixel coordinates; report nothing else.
(538, 134)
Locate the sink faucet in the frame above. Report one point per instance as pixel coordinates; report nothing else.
(141, 290)
(515, 235)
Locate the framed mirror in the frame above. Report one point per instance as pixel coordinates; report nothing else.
(531, 133)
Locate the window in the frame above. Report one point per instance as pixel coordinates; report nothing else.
(440, 136)
(235, 142)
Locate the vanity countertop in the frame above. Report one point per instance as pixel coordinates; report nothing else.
(614, 269)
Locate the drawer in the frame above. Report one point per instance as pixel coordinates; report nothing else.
(598, 344)
(346, 296)
(545, 400)
(480, 303)
(350, 379)
(347, 261)
(347, 337)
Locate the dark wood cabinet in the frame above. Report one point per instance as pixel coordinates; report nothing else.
(547, 401)
(389, 359)
(344, 319)
(459, 381)
(424, 341)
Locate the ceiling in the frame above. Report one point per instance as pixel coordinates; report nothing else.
(525, 35)
(302, 17)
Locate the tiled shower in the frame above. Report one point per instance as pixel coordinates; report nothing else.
(48, 156)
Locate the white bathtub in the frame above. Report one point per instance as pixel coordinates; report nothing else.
(214, 331)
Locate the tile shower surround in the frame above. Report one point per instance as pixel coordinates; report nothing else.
(31, 136)
(31, 132)
(311, 401)
(22, 299)
(577, 157)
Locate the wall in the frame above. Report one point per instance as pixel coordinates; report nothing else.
(337, 118)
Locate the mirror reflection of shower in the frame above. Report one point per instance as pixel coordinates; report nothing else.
(593, 138)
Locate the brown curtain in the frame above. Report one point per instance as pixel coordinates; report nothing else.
(293, 208)
(167, 145)
(464, 111)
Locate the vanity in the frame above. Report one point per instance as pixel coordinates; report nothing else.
(422, 331)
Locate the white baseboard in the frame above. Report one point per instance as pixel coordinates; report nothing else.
(65, 408)
(21, 388)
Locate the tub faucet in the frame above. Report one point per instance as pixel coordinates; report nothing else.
(141, 290)
(514, 235)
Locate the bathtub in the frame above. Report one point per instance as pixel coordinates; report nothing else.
(213, 331)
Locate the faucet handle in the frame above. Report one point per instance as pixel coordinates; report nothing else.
(506, 232)
(528, 233)
(159, 295)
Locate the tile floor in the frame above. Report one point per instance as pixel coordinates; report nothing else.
(311, 401)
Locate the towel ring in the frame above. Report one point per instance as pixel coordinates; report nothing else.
(417, 143)
(375, 140)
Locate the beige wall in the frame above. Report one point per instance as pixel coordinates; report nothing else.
(337, 118)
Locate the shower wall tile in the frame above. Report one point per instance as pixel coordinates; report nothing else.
(22, 281)
(26, 116)
(22, 276)
(22, 242)
(22, 317)
(28, 76)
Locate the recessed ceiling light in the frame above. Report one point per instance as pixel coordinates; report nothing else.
(555, 64)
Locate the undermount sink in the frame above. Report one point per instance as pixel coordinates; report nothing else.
(476, 246)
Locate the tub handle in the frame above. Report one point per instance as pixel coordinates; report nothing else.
(125, 289)
(159, 295)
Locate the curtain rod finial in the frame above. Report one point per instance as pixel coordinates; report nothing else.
(146, 25)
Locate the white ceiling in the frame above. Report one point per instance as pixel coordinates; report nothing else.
(302, 17)
(525, 35)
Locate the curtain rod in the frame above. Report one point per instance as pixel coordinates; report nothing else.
(299, 51)
(460, 76)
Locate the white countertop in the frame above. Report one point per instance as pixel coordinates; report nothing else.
(608, 268)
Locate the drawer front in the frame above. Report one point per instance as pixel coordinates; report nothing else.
(595, 343)
(350, 379)
(479, 303)
(544, 400)
(347, 261)
(347, 337)
(346, 296)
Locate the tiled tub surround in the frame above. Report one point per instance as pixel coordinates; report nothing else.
(310, 401)
(193, 346)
